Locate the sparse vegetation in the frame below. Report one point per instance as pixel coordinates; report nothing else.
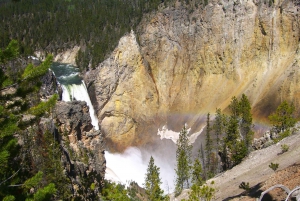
(284, 148)
(204, 192)
(274, 166)
(245, 186)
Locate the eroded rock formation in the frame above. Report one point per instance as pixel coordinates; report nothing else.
(83, 147)
(189, 62)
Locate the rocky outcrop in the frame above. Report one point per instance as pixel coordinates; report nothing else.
(68, 56)
(83, 146)
(49, 86)
(189, 62)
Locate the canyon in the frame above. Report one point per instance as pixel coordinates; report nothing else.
(182, 63)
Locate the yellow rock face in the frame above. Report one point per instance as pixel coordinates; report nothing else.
(189, 63)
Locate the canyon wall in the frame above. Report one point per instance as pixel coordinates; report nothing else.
(183, 63)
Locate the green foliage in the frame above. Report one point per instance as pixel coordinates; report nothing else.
(239, 151)
(282, 119)
(245, 186)
(10, 52)
(239, 134)
(36, 164)
(203, 192)
(274, 166)
(55, 26)
(31, 72)
(153, 182)
(197, 172)
(45, 193)
(33, 182)
(219, 126)
(208, 144)
(246, 121)
(43, 107)
(284, 148)
(9, 198)
(183, 158)
(113, 191)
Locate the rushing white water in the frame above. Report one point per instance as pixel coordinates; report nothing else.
(73, 87)
(132, 166)
(79, 92)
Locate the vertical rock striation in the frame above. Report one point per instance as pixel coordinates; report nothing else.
(189, 62)
(83, 147)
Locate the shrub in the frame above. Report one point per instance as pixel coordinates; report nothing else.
(284, 148)
(274, 166)
(244, 186)
(204, 192)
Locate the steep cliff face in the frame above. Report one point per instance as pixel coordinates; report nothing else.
(189, 62)
(82, 146)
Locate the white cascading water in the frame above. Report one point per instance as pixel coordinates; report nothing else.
(132, 164)
(73, 87)
(79, 92)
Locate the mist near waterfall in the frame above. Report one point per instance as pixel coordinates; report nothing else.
(131, 165)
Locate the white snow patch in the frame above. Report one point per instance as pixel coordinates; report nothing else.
(165, 133)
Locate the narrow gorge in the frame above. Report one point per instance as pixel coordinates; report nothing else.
(181, 63)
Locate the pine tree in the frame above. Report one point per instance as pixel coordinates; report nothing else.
(246, 121)
(153, 182)
(219, 126)
(208, 145)
(202, 160)
(19, 99)
(282, 119)
(197, 172)
(183, 158)
(232, 135)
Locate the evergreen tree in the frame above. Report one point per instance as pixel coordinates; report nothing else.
(197, 172)
(282, 119)
(232, 135)
(208, 145)
(203, 159)
(183, 158)
(219, 126)
(153, 182)
(19, 99)
(246, 121)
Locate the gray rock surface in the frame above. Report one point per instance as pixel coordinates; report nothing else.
(83, 146)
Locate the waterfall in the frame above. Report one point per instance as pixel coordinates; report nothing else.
(79, 92)
(73, 87)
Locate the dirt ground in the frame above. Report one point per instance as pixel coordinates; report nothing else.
(255, 170)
